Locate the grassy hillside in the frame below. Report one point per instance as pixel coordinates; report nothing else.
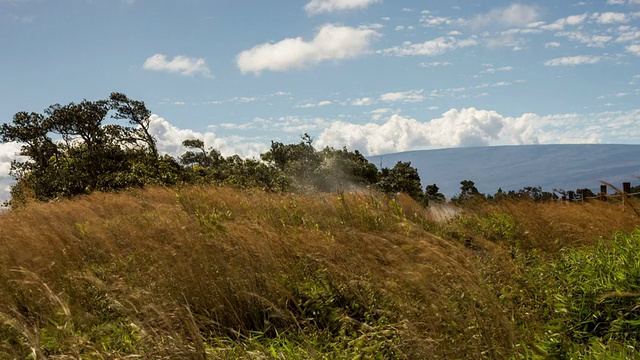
(217, 273)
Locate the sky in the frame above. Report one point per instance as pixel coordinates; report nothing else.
(378, 76)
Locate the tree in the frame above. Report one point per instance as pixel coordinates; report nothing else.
(468, 191)
(432, 192)
(340, 169)
(401, 178)
(137, 114)
(86, 154)
(299, 162)
(202, 158)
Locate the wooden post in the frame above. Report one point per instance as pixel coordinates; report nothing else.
(603, 192)
(570, 196)
(626, 190)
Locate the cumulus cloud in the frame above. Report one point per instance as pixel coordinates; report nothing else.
(8, 153)
(573, 60)
(169, 140)
(315, 7)
(433, 47)
(512, 15)
(332, 42)
(180, 64)
(474, 127)
(466, 127)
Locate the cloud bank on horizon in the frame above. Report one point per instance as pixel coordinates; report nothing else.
(373, 75)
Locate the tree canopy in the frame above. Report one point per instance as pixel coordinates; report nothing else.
(108, 145)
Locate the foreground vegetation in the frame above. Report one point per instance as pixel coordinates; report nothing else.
(218, 273)
(112, 250)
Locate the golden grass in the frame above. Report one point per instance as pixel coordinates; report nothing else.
(178, 269)
(189, 273)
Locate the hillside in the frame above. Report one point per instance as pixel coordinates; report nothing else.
(217, 273)
(566, 167)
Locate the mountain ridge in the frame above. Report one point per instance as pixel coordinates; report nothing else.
(512, 167)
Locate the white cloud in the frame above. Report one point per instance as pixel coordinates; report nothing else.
(169, 140)
(467, 127)
(429, 20)
(506, 39)
(634, 49)
(8, 153)
(318, 104)
(404, 96)
(362, 101)
(315, 7)
(573, 60)
(610, 17)
(493, 70)
(180, 64)
(332, 42)
(561, 23)
(474, 127)
(433, 47)
(590, 41)
(552, 44)
(436, 63)
(622, 2)
(513, 15)
(628, 36)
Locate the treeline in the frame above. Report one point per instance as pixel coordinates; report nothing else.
(107, 145)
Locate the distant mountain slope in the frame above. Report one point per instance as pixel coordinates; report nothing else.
(513, 167)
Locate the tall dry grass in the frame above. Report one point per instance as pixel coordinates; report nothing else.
(204, 272)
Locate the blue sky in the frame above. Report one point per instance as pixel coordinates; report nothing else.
(379, 76)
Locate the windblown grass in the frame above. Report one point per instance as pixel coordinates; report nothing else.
(218, 273)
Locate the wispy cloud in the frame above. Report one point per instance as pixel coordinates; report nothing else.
(404, 96)
(573, 60)
(315, 7)
(610, 17)
(433, 47)
(512, 15)
(180, 64)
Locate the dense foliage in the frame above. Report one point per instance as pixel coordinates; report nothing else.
(107, 145)
(71, 150)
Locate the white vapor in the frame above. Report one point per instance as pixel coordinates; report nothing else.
(332, 42)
